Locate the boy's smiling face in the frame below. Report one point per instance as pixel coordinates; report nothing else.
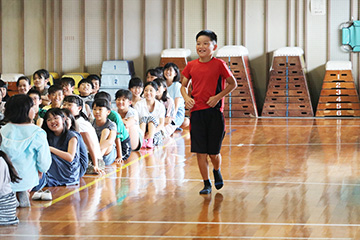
(122, 103)
(205, 47)
(85, 89)
(56, 98)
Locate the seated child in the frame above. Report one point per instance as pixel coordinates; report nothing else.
(151, 115)
(74, 103)
(23, 84)
(65, 151)
(68, 85)
(39, 112)
(3, 89)
(122, 141)
(136, 88)
(2, 107)
(56, 96)
(8, 202)
(153, 73)
(85, 88)
(163, 97)
(130, 118)
(73, 126)
(41, 80)
(95, 79)
(105, 129)
(25, 144)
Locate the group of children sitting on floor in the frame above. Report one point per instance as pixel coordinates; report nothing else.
(52, 137)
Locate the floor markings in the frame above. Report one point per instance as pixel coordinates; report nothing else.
(105, 176)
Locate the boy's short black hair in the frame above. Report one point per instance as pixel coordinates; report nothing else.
(23, 78)
(34, 91)
(208, 33)
(54, 88)
(123, 93)
(101, 102)
(135, 82)
(86, 81)
(67, 80)
(42, 73)
(104, 95)
(94, 77)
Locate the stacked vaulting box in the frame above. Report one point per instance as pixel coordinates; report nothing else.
(338, 97)
(179, 56)
(241, 101)
(287, 92)
(116, 74)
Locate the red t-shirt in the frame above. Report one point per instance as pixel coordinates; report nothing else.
(208, 79)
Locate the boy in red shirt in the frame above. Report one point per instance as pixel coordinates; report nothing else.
(208, 77)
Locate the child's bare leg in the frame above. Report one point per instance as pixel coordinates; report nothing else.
(216, 161)
(203, 165)
(151, 130)
(143, 127)
(134, 137)
(104, 135)
(204, 171)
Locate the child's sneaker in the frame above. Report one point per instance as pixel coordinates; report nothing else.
(150, 143)
(144, 144)
(207, 187)
(46, 195)
(37, 195)
(219, 183)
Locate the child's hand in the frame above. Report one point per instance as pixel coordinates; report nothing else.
(189, 103)
(118, 159)
(212, 101)
(99, 171)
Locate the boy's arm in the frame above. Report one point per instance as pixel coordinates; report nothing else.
(189, 102)
(230, 86)
(107, 139)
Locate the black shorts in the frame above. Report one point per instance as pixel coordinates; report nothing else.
(126, 149)
(207, 131)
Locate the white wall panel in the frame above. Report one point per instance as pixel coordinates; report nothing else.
(277, 24)
(72, 36)
(12, 37)
(340, 13)
(254, 41)
(154, 30)
(95, 35)
(193, 24)
(316, 52)
(34, 36)
(216, 19)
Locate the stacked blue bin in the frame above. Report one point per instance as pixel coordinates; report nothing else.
(115, 75)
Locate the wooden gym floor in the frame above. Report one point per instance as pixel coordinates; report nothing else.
(284, 179)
